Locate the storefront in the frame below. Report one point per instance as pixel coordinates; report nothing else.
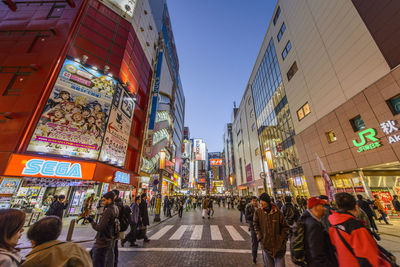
(298, 186)
(31, 182)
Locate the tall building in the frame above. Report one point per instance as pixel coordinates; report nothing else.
(200, 163)
(165, 127)
(340, 70)
(229, 162)
(70, 124)
(187, 160)
(216, 173)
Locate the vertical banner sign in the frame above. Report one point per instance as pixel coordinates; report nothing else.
(74, 118)
(116, 139)
(154, 101)
(329, 189)
(249, 174)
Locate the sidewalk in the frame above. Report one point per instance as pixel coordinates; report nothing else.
(81, 232)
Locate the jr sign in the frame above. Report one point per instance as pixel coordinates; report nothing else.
(368, 134)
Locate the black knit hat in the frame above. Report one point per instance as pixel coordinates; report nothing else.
(265, 197)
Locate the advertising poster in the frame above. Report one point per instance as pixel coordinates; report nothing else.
(9, 185)
(249, 175)
(118, 128)
(73, 121)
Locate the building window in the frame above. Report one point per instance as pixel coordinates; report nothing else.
(253, 127)
(330, 136)
(357, 123)
(394, 104)
(303, 111)
(278, 12)
(292, 71)
(281, 31)
(285, 51)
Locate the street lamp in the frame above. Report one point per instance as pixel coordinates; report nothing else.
(231, 180)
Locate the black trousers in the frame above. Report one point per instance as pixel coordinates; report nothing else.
(131, 236)
(180, 211)
(254, 242)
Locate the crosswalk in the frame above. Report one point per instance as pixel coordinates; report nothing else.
(202, 232)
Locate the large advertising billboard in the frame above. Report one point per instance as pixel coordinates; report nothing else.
(216, 162)
(73, 122)
(118, 128)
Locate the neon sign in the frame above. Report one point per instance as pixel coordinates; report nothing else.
(122, 177)
(52, 168)
(364, 135)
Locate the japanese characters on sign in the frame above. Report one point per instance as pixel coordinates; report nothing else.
(389, 127)
(216, 162)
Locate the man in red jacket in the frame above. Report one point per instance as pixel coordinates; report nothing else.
(354, 244)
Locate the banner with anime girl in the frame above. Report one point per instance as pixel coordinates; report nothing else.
(73, 121)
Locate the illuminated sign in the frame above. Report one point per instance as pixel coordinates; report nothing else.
(122, 177)
(216, 162)
(269, 159)
(364, 135)
(23, 165)
(389, 127)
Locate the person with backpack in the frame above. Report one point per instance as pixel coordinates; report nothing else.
(354, 244)
(134, 223)
(290, 212)
(272, 232)
(107, 229)
(249, 213)
(144, 216)
(310, 245)
(57, 207)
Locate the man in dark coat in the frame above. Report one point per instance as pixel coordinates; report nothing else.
(58, 206)
(365, 206)
(249, 213)
(144, 215)
(317, 245)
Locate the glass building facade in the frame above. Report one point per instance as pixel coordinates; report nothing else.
(274, 124)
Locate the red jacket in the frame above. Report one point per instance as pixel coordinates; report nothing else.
(359, 239)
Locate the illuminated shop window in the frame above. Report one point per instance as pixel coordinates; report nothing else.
(394, 104)
(331, 137)
(357, 123)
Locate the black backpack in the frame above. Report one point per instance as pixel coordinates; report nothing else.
(290, 214)
(124, 218)
(297, 248)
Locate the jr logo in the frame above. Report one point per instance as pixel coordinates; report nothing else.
(364, 135)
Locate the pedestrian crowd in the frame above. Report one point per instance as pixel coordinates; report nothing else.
(341, 232)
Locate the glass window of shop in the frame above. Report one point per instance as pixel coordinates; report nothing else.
(275, 127)
(385, 187)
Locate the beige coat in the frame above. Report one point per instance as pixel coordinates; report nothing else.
(58, 253)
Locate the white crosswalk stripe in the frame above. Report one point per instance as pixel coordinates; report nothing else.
(179, 233)
(197, 232)
(215, 233)
(245, 228)
(234, 233)
(161, 232)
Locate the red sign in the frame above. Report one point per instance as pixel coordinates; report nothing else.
(216, 162)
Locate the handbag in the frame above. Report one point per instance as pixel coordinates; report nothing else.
(384, 255)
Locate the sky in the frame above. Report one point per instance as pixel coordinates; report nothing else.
(217, 42)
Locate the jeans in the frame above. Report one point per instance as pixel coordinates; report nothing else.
(241, 215)
(383, 216)
(271, 261)
(180, 211)
(102, 257)
(254, 243)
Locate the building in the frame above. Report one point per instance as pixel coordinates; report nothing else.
(200, 164)
(165, 127)
(187, 160)
(229, 161)
(341, 75)
(216, 172)
(69, 121)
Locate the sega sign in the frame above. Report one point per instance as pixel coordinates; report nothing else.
(122, 177)
(26, 165)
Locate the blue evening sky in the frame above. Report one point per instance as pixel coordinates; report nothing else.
(218, 42)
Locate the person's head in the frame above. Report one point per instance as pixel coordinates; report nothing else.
(116, 192)
(12, 225)
(376, 196)
(92, 195)
(61, 198)
(346, 202)
(265, 200)
(143, 195)
(395, 197)
(316, 205)
(254, 201)
(288, 199)
(108, 198)
(138, 199)
(359, 197)
(45, 230)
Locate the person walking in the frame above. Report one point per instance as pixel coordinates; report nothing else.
(272, 232)
(180, 206)
(211, 207)
(279, 203)
(249, 213)
(134, 223)
(290, 212)
(354, 244)
(103, 248)
(144, 216)
(12, 226)
(205, 207)
(86, 208)
(317, 246)
(57, 207)
(241, 207)
(365, 206)
(396, 204)
(48, 251)
(381, 209)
